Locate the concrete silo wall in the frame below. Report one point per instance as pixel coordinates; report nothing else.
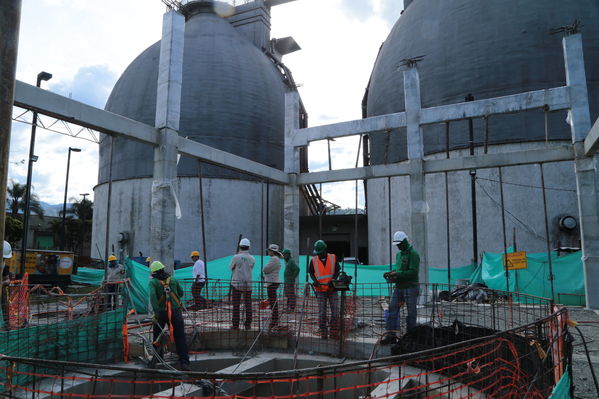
(231, 207)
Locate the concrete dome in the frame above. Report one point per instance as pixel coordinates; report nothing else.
(489, 49)
(232, 99)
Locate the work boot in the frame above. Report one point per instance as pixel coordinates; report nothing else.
(389, 339)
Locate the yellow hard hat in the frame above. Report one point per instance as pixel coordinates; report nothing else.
(148, 259)
(194, 253)
(111, 258)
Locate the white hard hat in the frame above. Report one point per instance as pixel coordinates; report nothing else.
(244, 242)
(7, 251)
(399, 236)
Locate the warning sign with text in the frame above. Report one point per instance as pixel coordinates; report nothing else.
(516, 260)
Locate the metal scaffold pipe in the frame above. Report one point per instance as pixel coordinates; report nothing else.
(10, 18)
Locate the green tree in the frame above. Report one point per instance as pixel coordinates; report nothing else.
(13, 230)
(16, 200)
(78, 224)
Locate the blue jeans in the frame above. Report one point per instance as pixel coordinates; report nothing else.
(410, 297)
(333, 300)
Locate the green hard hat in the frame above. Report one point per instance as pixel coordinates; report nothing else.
(319, 247)
(155, 266)
(286, 251)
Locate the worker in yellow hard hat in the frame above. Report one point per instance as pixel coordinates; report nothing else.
(148, 261)
(199, 280)
(115, 273)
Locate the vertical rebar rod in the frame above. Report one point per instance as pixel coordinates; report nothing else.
(267, 211)
(486, 133)
(507, 274)
(549, 260)
(447, 210)
(320, 212)
(202, 215)
(470, 97)
(390, 233)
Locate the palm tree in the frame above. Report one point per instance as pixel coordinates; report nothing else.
(78, 231)
(16, 199)
(83, 209)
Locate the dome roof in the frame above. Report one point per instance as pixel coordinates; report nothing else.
(489, 49)
(232, 99)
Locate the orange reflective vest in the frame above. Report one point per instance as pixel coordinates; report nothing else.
(324, 272)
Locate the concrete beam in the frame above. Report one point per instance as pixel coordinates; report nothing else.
(556, 98)
(580, 117)
(291, 196)
(60, 107)
(591, 142)
(552, 154)
(360, 126)
(217, 157)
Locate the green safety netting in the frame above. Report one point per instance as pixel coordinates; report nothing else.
(562, 389)
(568, 283)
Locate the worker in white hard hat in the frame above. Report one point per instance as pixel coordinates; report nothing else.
(405, 278)
(241, 283)
(5, 275)
(115, 272)
(272, 279)
(199, 279)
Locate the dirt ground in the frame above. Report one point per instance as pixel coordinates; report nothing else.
(589, 327)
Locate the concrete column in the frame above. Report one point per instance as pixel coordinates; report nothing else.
(10, 18)
(587, 176)
(291, 208)
(418, 204)
(168, 109)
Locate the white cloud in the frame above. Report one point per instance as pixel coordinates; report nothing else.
(86, 44)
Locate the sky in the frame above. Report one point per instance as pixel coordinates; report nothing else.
(87, 44)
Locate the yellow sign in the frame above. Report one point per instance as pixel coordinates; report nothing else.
(43, 262)
(516, 260)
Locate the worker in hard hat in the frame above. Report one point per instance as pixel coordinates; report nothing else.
(165, 298)
(405, 277)
(115, 273)
(323, 268)
(199, 279)
(241, 283)
(290, 277)
(272, 279)
(148, 261)
(5, 275)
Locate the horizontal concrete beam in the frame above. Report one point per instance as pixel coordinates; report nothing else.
(556, 99)
(60, 107)
(221, 158)
(591, 142)
(359, 126)
(552, 154)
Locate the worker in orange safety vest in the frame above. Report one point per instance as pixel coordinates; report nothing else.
(323, 268)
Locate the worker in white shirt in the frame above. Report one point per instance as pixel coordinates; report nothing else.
(199, 280)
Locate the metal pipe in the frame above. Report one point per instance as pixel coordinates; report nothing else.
(10, 19)
(63, 240)
(390, 232)
(468, 98)
(320, 212)
(32, 158)
(202, 215)
(507, 274)
(486, 133)
(267, 211)
(447, 209)
(356, 213)
(551, 278)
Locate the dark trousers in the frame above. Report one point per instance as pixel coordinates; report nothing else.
(247, 300)
(271, 291)
(196, 291)
(331, 298)
(112, 299)
(178, 330)
(290, 294)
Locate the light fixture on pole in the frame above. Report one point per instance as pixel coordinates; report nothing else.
(42, 76)
(64, 204)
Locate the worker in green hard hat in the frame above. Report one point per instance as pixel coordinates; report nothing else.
(290, 278)
(323, 268)
(165, 298)
(405, 277)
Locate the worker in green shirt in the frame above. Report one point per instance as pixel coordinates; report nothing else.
(290, 277)
(405, 277)
(165, 297)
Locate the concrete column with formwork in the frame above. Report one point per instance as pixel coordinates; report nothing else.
(418, 204)
(587, 174)
(168, 109)
(291, 194)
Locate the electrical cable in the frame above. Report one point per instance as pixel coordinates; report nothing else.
(586, 351)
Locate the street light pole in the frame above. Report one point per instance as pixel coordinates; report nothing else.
(42, 76)
(64, 204)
